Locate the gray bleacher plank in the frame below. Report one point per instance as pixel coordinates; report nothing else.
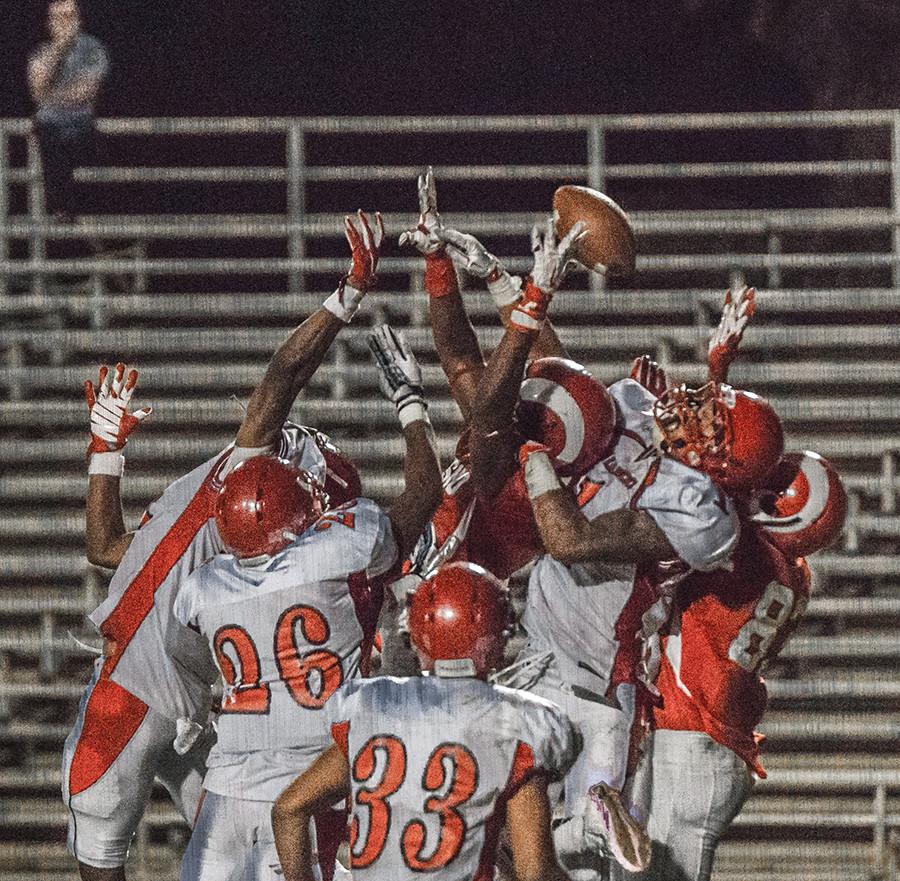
(837, 410)
(479, 305)
(265, 340)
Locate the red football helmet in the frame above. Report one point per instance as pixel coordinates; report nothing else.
(733, 435)
(459, 621)
(809, 514)
(263, 503)
(562, 406)
(342, 481)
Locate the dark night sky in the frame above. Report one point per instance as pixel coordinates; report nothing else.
(295, 57)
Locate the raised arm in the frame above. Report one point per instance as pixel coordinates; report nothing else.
(111, 423)
(454, 337)
(725, 339)
(322, 785)
(401, 382)
(298, 358)
(493, 443)
(622, 536)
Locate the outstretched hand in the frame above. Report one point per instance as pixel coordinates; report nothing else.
(553, 259)
(725, 339)
(425, 235)
(365, 248)
(650, 375)
(111, 423)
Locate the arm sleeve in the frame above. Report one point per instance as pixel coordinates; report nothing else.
(554, 739)
(699, 521)
(384, 553)
(183, 607)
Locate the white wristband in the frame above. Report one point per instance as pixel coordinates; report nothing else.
(412, 411)
(112, 464)
(505, 289)
(344, 302)
(540, 478)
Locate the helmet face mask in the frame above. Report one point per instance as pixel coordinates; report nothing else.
(732, 435)
(695, 425)
(264, 504)
(341, 479)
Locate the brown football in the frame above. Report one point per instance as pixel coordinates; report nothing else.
(608, 247)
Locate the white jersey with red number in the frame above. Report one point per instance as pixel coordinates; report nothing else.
(286, 634)
(433, 762)
(726, 625)
(590, 614)
(154, 657)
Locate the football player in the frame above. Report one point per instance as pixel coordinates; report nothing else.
(434, 766)
(652, 510)
(289, 612)
(149, 697)
(698, 768)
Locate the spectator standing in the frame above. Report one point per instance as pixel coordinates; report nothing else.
(64, 78)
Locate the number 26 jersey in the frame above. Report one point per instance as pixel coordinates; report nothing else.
(285, 635)
(433, 762)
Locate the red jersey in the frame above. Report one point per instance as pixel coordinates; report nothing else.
(499, 534)
(725, 626)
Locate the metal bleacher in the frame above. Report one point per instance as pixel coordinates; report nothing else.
(205, 264)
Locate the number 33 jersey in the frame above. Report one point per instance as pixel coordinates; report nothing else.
(285, 635)
(725, 626)
(433, 762)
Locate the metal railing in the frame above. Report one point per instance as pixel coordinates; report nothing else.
(603, 146)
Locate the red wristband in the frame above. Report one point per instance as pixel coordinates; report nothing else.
(440, 276)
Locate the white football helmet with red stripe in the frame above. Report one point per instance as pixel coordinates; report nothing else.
(563, 407)
(809, 513)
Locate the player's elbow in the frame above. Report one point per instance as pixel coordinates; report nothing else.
(286, 811)
(106, 555)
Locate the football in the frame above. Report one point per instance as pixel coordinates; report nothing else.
(608, 247)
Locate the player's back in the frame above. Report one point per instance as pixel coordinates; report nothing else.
(500, 534)
(589, 613)
(433, 762)
(286, 634)
(726, 625)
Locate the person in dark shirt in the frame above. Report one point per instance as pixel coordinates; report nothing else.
(64, 78)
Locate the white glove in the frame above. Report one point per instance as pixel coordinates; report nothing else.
(400, 376)
(725, 339)
(111, 423)
(552, 259)
(469, 253)
(425, 235)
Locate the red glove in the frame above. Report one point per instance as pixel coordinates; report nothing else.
(650, 375)
(365, 248)
(111, 423)
(725, 339)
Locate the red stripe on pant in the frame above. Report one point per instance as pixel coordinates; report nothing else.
(111, 718)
